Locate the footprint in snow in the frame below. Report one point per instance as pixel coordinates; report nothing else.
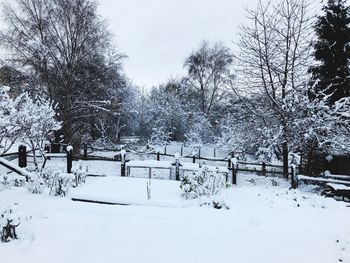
(254, 222)
(344, 251)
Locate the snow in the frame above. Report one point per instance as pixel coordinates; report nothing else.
(15, 167)
(234, 161)
(69, 148)
(337, 176)
(329, 158)
(131, 191)
(324, 180)
(206, 150)
(339, 187)
(265, 224)
(169, 164)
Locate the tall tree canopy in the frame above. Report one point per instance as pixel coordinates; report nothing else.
(208, 69)
(64, 50)
(332, 51)
(273, 61)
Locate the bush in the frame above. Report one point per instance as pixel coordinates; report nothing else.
(5, 183)
(9, 221)
(8, 181)
(216, 202)
(35, 186)
(57, 181)
(206, 185)
(79, 175)
(62, 182)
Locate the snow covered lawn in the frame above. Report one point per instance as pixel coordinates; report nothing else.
(131, 191)
(265, 224)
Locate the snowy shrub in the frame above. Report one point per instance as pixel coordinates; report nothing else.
(58, 182)
(35, 185)
(216, 202)
(5, 181)
(8, 181)
(61, 183)
(160, 136)
(19, 181)
(274, 182)
(9, 221)
(79, 175)
(252, 181)
(202, 183)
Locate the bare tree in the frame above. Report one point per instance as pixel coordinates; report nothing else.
(207, 68)
(273, 62)
(66, 47)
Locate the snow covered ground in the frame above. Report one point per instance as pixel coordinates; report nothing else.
(266, 223)
(125, 190)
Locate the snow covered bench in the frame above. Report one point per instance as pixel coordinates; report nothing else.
(340, 190)
(335, 185)
(324, 180)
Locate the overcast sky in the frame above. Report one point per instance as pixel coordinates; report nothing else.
(158, 35)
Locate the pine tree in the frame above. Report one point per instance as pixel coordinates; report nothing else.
(332, 51)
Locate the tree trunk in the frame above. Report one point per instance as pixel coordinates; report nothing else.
(285, 159)
(67, 126)
(34, 155)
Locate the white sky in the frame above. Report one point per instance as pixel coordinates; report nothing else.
(158, 35)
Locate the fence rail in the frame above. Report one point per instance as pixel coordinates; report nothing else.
(260, 168)
(170, 168)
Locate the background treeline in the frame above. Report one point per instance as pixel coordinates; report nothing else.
(284, 90)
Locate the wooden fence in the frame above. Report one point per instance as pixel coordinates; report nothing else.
(172, 171)
(259, 168)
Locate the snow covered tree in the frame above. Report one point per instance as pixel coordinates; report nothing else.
(332, 51)
(64, 51)
(9, 131)
(200, 130)
(207, 71)
(35, 119)
(273, 63)
(320, 126)
(233, 131)
(141, 118)
(168, 114)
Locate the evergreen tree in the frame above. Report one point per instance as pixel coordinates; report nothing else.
(332, 51)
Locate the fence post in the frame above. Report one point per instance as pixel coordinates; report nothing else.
(234, 177)
(214, 152)
(177, 167)
(158, 156)
(294, 182)
(263, 168)
(182, 149)
(149, 172)
(123, 161)
(199, 152)
(22, 156)
(234, 164)
(165, 148)
(194, 159)
(229, 163)
(69, 158)
(85, 150)
(47, 148)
